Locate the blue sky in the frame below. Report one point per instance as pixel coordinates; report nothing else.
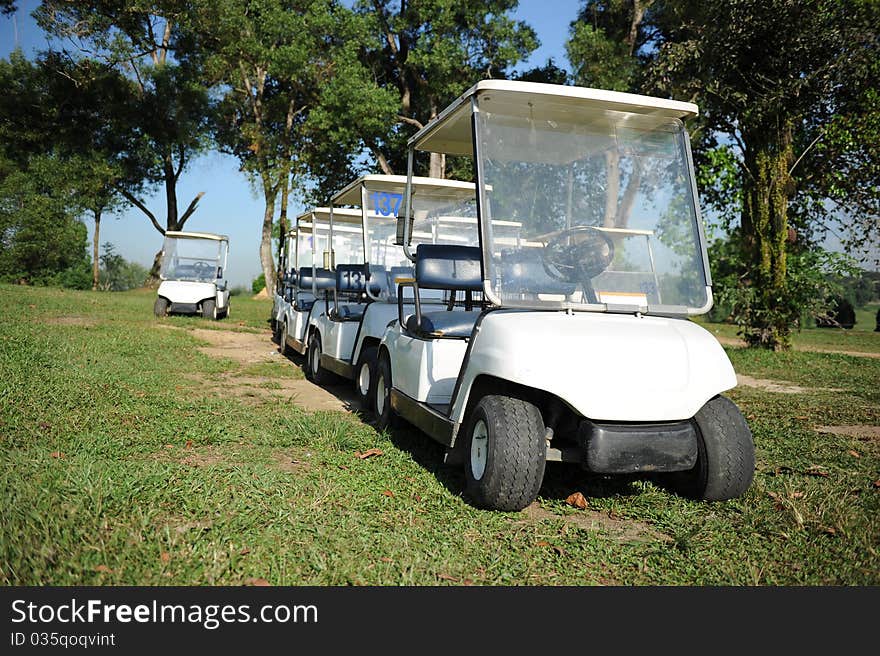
(230, 206)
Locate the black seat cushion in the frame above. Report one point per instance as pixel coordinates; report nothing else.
(442, 266)
(444, 324)
(324, 279)
(349, 312)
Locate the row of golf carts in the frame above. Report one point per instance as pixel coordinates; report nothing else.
(538, 314)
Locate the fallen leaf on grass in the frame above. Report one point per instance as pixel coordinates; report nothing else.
(103, 568)
(169, 446)
(416, 497)
(877, 483)
(388, 493)
(778, 500)
(559, 550)
(577, 500)
(244, 552)
(854, 453)
(258, 582)
(368, 453)
(385, 559)
(188, 444)
(446, 577)
(797, 495)
(57, 454)
(342, 467)
(815, 470)
(829, 530)
(165, 557)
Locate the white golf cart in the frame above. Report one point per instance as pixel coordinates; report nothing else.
(309, 284)
(193, 275)
(284, 283)
(345, 340)
(577, 346)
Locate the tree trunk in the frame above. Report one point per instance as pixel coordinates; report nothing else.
(266, 259)
(96, 241)
(437, 163)
(768, 318)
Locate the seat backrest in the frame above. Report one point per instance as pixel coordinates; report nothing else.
(351, 278)
(443, 266)
(323, 278)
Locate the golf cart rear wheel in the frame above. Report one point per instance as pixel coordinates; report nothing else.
(381, 393)
(160, 307)
(725, 455)
(282, 340)
(209, 309)
(505, 453)
(364, 373)
(314, 371)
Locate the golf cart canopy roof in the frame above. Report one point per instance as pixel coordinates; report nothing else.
(351, 193)
(195, 235)
(322, 214)
(451, 132)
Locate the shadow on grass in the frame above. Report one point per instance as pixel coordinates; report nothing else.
(560, 479)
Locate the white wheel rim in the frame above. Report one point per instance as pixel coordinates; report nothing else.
(380, 395)
(364, 379)
(479, 449)
(316, 358)
(283, 334)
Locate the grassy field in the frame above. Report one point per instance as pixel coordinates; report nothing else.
(123, 462)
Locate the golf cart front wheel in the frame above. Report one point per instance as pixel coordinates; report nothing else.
(364, 373)
(209, 309)
(725, 455)
(160, 307)
(282, 340)
(381, 392)
(314, 371)
(505, 453)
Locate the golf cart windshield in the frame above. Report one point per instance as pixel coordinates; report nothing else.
(196, 259)
(606, 206)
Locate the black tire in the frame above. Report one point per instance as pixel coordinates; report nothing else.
(282, 340)
(160, 307)
(725, 455)
(364, 374)
(381, 393)
(505, 453)
(314, 371)
(209, 309)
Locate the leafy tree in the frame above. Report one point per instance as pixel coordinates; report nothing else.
(776, 78)
(295, 96)
(118, 274)
(431, 52)
(158, 121)
(606, 41)
(41, 242)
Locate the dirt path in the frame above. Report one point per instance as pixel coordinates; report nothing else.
(249, 348)
(733, 341)
(779, 386)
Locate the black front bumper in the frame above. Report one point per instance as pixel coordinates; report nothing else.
(635, 448)
(184, 308)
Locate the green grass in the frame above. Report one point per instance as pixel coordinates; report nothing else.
(117, 468)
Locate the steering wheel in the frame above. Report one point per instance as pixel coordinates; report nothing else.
(579, 253)
(202, 269)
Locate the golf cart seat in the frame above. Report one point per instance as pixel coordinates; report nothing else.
(448, 268)
(323, 278)
(351, 284)
(522, 272)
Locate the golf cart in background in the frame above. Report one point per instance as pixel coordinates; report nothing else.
(284, 282)
(193, 275)
(578, 346)
(344, 341)
(308, 282)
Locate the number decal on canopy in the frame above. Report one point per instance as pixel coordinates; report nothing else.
(386, 204)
